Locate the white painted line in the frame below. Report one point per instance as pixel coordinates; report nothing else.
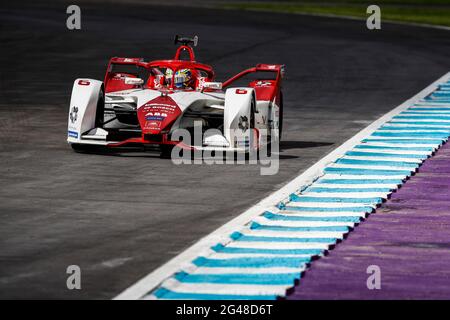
(355, 186)
(372, 167)
(252, 255)
(330, 176)
(222, 288)
(350, 195)
(390, 151)
(316, 214)
(401, 138)
(327, 205)
(429, 112)
(416, 131)
(298, 234)
(155, 278)
(277, 245)
(407, 125)
(407, 145)
(403, 120)
(202, 270)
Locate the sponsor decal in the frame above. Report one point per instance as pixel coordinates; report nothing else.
(243, 123)
(159, 106)
(264, 119)
(200, 82)
(152, 125)
(244, 143)
(158, 114)
(263, 83)
(73, 134)
(118, 76)
(83, 82)
(73, 115)
(157, 118)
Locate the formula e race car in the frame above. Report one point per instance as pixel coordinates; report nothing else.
(165, 102)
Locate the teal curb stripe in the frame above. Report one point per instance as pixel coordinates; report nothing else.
(440, 94)
(236, 236)
(406, 141)
(256, 262)
(384, 155)
(398, 148)
(435, 102)
(430, 109)
(367, 172)
(328, 209)
(410, 134)
(263, 279)
(424, 117)
(164, 293)
(220, 248)
(296, 198)
(405, 128)
(317, 216)
(428, 123)
(420, 112)
(378, 163)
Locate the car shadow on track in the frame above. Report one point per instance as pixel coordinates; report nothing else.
(286, 145)
(143, 153)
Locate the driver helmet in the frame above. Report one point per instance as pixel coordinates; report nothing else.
(183, 79)
(168, 75)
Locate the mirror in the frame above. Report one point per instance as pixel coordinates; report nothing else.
(134, 81)
(212, 85)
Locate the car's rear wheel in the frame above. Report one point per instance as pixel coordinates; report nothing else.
(280, 118)
(84, 148)
(166, 151)
(92, 148)
(100, 111)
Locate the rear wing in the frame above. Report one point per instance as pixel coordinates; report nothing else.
(279, 69)
(185, 41)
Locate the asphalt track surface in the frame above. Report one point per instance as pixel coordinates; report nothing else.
(120, 217)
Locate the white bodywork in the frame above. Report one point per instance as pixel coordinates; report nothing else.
(236, 106)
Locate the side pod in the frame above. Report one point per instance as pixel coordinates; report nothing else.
(83, 108)
(238, 116)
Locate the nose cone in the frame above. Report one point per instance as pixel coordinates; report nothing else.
(158, 114)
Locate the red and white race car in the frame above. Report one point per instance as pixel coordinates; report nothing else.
(158, 102)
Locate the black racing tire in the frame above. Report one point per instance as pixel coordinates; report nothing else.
(100, 111)
(280, 125)
(252, 113)
(166, 151)
(83, 148)
(252, 123)
(77, 147)
(267, 150)
(91, 149)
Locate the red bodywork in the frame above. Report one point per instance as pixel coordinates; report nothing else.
(157, 116)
